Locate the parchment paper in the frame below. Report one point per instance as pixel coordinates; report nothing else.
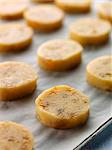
(23, 110)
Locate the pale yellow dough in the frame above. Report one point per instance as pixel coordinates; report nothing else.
(90, 31)
(99, 72)
(74, 6)
(12, 9)
(105, 11)
(14, 37)
(14, 136)
(44, 17)
(17, 79)
(43, 1)
(62, 107)
(59, 55)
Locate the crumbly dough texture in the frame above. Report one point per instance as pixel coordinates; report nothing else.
(41, 18)
(59, 55)
(99, 72)
(105, 11)
(14, 37)
(12, 9)
(74, 6)
(14, 136)
(90, 31)
(17, 79)
(62, 107)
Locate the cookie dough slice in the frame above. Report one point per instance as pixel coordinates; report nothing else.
(74, 6)
(90, 31)
(44, 17)
(105, 11)
(14, 37)
(17, 79)
(14, 136)
(99, 72)
(59, 55)
(43, 1)
(62, 107)
(12, 9)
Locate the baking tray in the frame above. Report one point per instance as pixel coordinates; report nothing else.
(23, 110)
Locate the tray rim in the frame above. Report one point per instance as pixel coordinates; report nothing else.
(94, 134)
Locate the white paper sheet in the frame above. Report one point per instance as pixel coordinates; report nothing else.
(23, 110)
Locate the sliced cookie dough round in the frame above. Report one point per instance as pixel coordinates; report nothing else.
(14, 136)
(17, 79)
(99, 72)
(43, 1)
(12, 9)
(62, 107)
(14, 37)
(105, 11)
(59, 55)
(74, 6)
(90, 31)
(44, 17)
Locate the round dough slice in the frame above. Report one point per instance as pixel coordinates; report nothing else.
(74, 6)
(62, 107)
(17, 79)
(14, 136)
(43, 1)
(59, 55)
(44, 17)
(99, 72)
(105, 11)
(90, 31)
(12, 9)
(14, 37)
